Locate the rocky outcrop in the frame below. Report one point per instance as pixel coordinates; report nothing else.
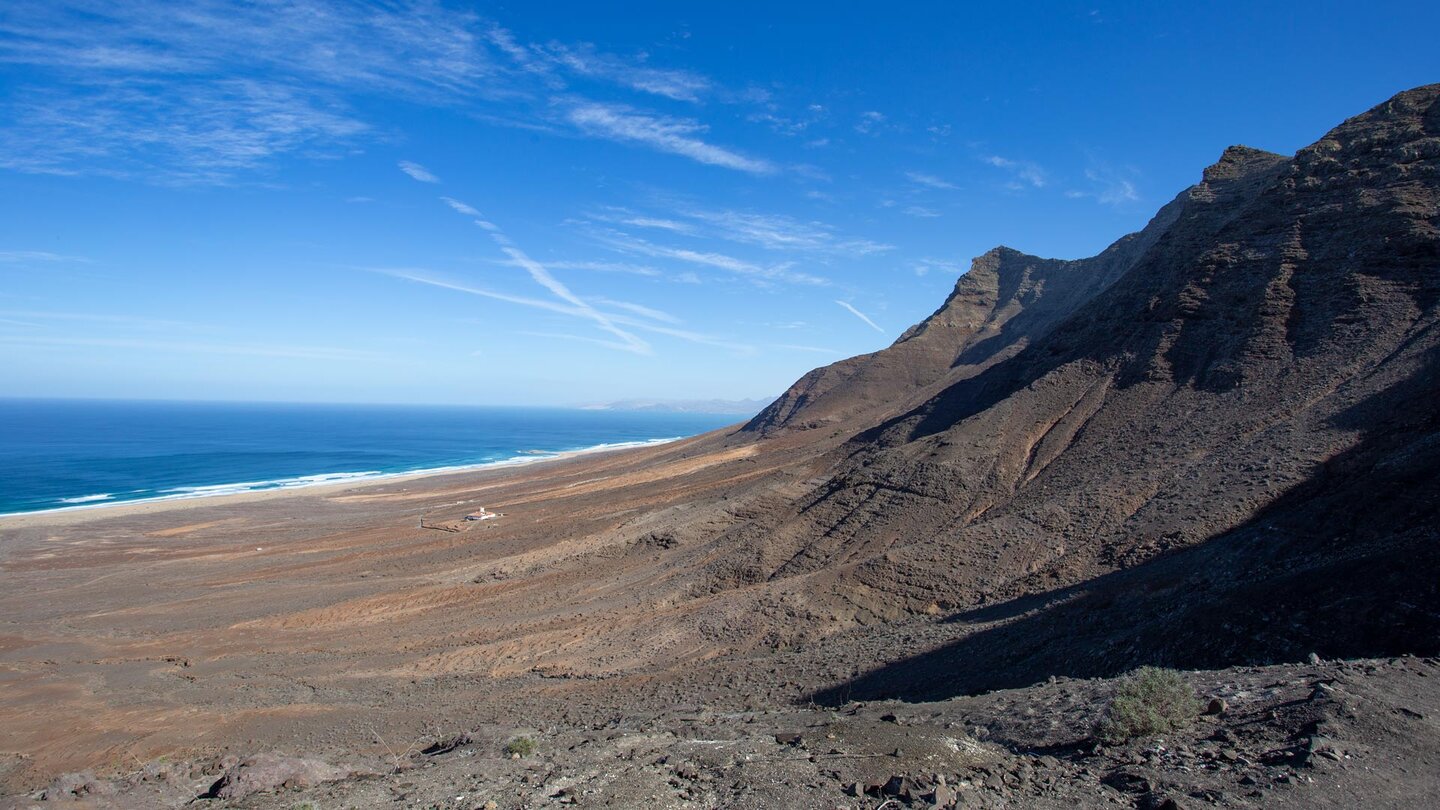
(263, 773)
(1006, 301)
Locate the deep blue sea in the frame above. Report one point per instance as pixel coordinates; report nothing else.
(57, 454)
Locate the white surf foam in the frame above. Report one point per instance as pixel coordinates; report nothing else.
(319, 479)
(104, 496)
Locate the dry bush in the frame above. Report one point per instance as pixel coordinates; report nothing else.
(524, 746)
(1150, 701)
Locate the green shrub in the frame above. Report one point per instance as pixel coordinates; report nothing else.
(1150, 701)
(524, 746)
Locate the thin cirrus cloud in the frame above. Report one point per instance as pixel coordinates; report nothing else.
(928, 265)
(19, 256)
(546, 279)
(771, 232)
(862, 316)
(418, 172)
(569, 303)
(664, 133)
(930, 181)
(609, 344)
(780, 232)
(1026, 172)
(585, 60)
(639, 309)
(433, 280)
(764, 274)
(132, 90)
(254, 350)
(201, 132)
(597, 267)
(1110, 188)
(870, 122)
(108, 319)
(793, 239)
(623, 216)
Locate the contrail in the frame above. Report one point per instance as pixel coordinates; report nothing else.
(862, 316)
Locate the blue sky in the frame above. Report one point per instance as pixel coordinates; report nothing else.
(556, 204)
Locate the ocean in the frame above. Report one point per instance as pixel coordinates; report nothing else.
(57, 454)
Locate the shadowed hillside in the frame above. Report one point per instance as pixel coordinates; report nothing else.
(1215, 397)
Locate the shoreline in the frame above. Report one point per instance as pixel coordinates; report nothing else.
(323, 482)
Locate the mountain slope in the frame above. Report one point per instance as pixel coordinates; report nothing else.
(1005, 301)
(1264, 365)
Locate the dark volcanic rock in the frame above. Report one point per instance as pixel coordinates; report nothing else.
(1215, 442)
(1000, 306)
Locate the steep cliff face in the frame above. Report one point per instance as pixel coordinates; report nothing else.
(1006, 301)
(1235, 383)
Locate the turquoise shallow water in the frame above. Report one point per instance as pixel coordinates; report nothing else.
(58, 454)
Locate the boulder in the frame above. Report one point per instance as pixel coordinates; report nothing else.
(266, 772)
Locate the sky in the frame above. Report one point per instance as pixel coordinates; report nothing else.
(566, 203)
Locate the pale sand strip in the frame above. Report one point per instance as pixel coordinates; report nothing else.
(74, 515)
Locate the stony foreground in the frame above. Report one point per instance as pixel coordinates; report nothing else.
(1323, 734)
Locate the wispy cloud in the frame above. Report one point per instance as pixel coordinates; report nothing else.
(674, 135)
(106, 318)
(418, 172)
(869, 122)
(17, 256)
(142, 90)
(790, 125)
(862, 316)
(585, 60)
(781, 232)
(638, 309)
(256, 350)
(693, 337)
(433, 280)
(623, 216)
(926, 266)
(148, 91)
(405, 46)
(1026, 171)
(461, 208)
(609, 344)
(930, 181)
(781, 272)
(430, 279)
(194, 132)
(921, 212)
(546, 279)
(1110, 187)
(772, 232)
(598, 267)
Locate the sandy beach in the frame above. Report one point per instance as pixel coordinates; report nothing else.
(326, 618)
(69, 514)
